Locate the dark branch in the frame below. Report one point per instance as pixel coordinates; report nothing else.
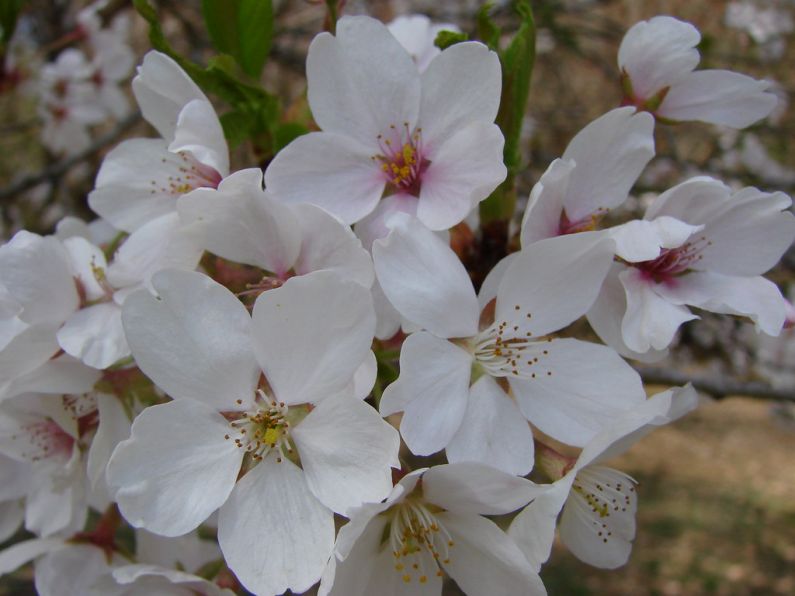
(718, 388)
(58, 169)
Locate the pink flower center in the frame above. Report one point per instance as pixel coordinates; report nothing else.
(673, 261)
(401, 158)
(192, 175)
(44, 439)
(585, 224)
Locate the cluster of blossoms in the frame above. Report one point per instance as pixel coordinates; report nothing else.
(223, 406)
(80, 89)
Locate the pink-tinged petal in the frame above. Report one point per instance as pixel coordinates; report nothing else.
(577, 390)
(424, 279)
(493, 431)
(609, 154)
(553, 282)
(140, 180)
(312, 334)
(533, 530)
(162, 89)
(464, 169)
(241, 223)
(753, 297)
(37, 274)
(461, 85)
(192, 339)
(607, 313)
(378, 223)
(658, 53)
(484, 560)
(23, 552)
(471, 488)
(432, 390)
(749, 235)
(650, 320)
(599, 531)
(347, 451)
(199, 132)
(361, 81)
(545, 206)
(114, 427)
(275, 535)
(176, 468)
(330, 245)
(719, 97)
(332, 171)
(641, 240)
(95, 335)
(162, 243)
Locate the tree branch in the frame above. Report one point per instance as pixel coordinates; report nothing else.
(58, 169)
(718, 388)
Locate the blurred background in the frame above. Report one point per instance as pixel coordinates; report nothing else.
(716, 513)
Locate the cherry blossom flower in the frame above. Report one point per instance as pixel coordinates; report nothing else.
(598, 502)
(432, 524)
(197, 341)
(451, 370)
(658, 58)
(595, 174)
(427, 139)
(699, 244)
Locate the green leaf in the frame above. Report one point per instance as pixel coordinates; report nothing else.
(241, 28)
(9, 12)
(445, 39)
(488, 31)
(237, 126)
(285, 133)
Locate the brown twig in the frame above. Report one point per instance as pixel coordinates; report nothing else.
(58, 169)
(718, 388)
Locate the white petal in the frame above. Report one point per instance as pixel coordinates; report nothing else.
(610, 154)
(694, 201)
(424, 279)
(657, 53)
(241, 223)
(753, 297)
(346, 452)
(330, 245)
(432, 390)
(95, 335)
(493, 431)
(312, 334)
(62, 375)
(86, 260)
(545, 206)
(553, 282)
(193, 339)
(134, 184)
(484, 560)
(361, 81)
(12, 513)
(607, 313)
(357, 574)
(461, 85)
(650, 321)
(175, 469)
(114, 427)
(491, 285)
(364, 378)
(162, 89)
(162, 243)
(20, 553)
(475, 488)
(274, 533)
(152, 579)
(533, 529)
(24, 354)
(602, 538)
(719, 97)
(332, 171)
(199, 132)
(578, 389)
(465, 168)
(72, 570)
(641, 240)
(379, 222)
(36, 272)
